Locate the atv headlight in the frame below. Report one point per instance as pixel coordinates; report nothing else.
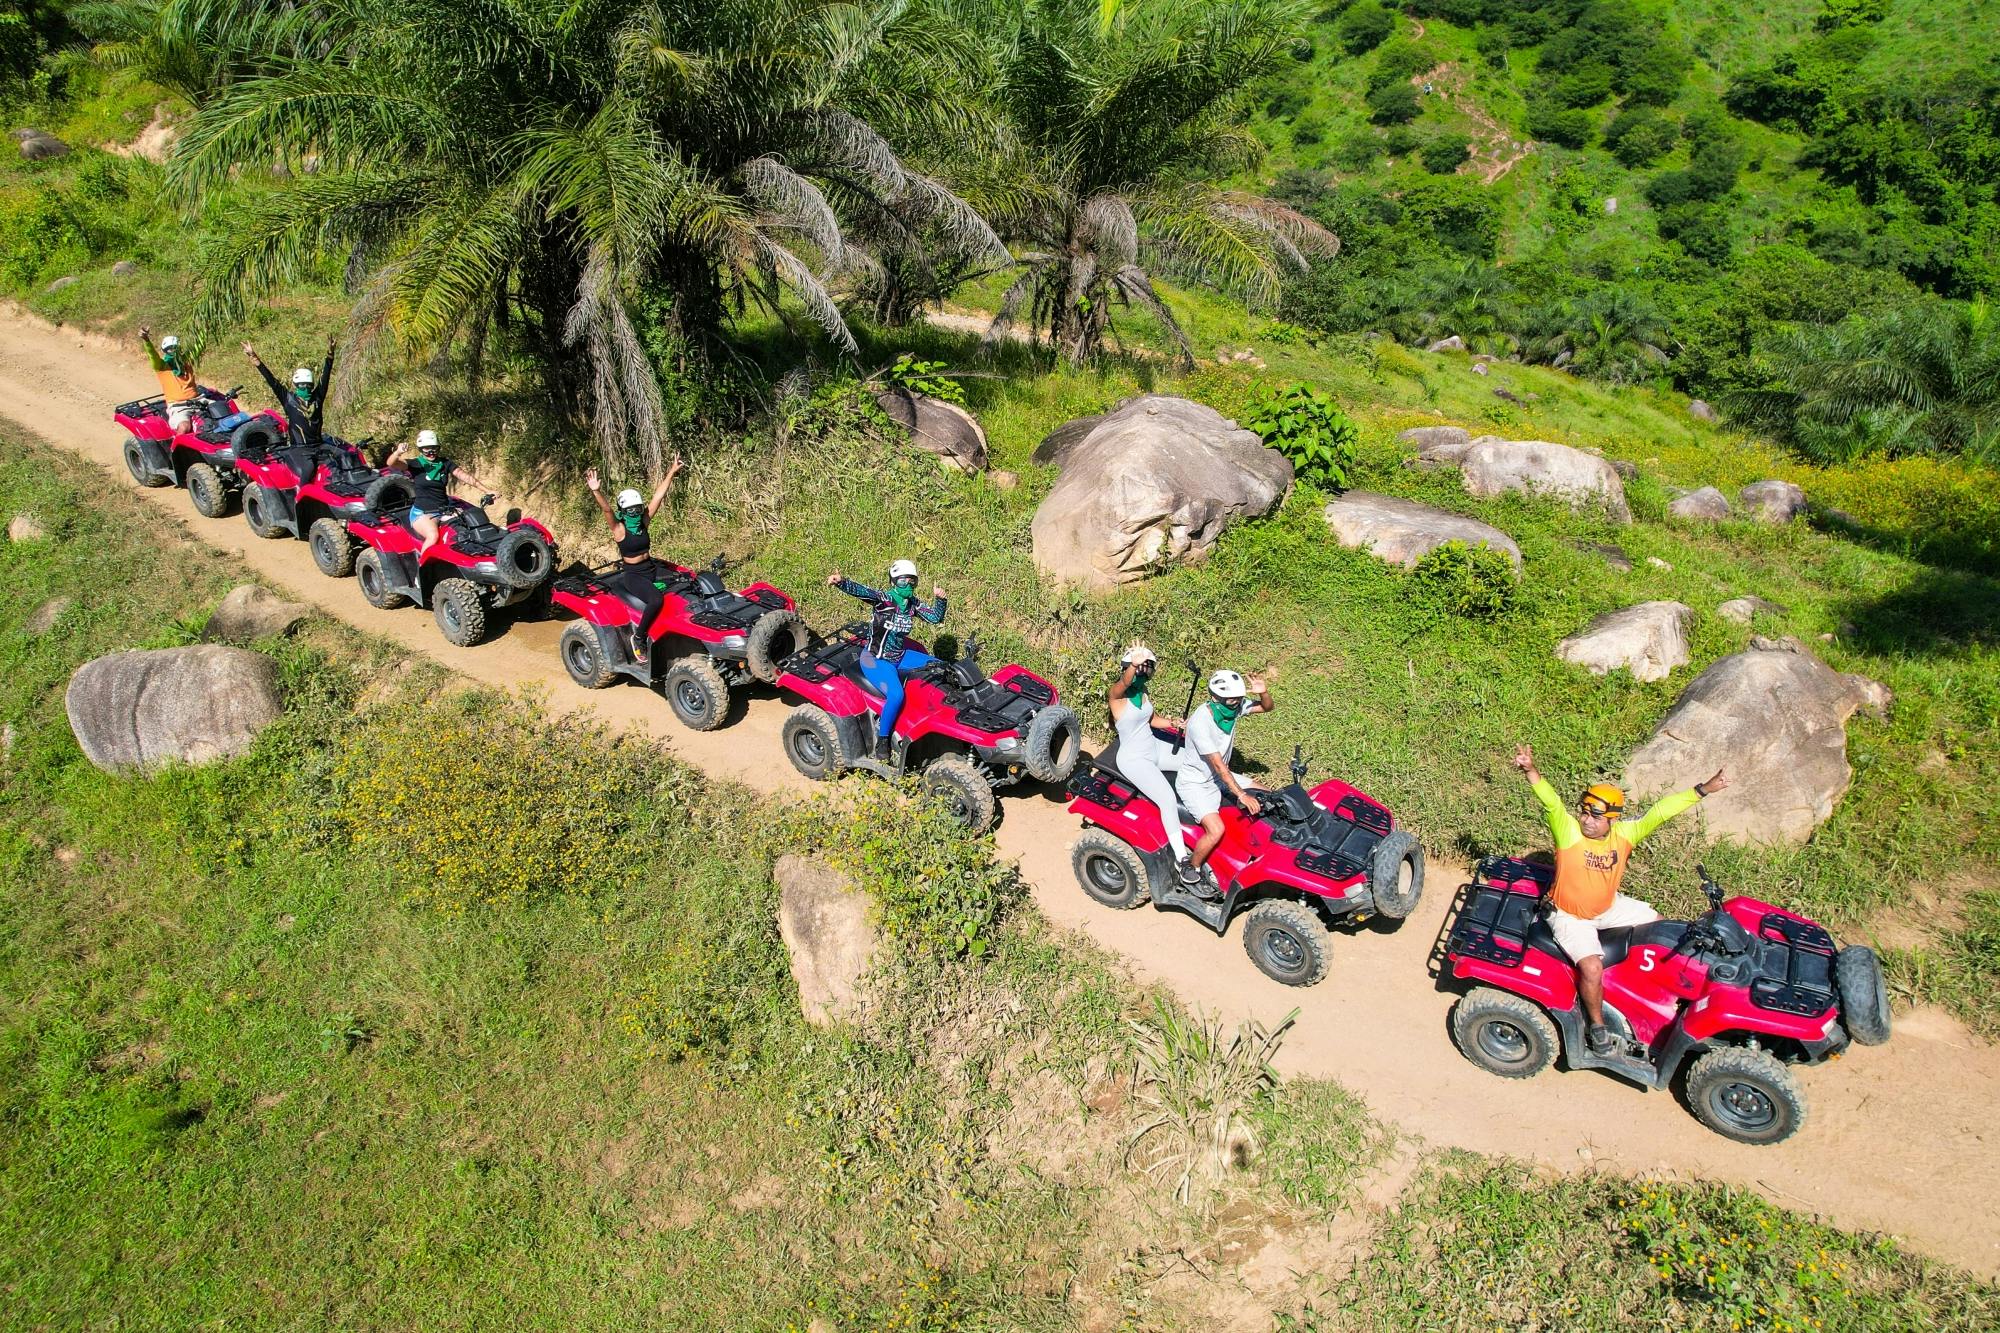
(733, 641)
(1007, 743)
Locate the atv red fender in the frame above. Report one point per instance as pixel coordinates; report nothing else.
(157, 456)
(475, 565)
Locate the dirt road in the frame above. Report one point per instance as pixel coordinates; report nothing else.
(1900, 1138)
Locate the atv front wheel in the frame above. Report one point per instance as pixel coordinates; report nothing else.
(1396, 875)
(1110, 870)
(1503, 1034)
(812, 743)
(697, 693)
(774, 639)
(374, 581)
(459, 612)
(257, 512)
(332, 549)
(1864, 998)
(964, 789)
(206, 491)
(139, 466)
(583, 656)
(1745, 1095)
(1288, 942)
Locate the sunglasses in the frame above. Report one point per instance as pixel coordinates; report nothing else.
(1599, 808)
(905, 582)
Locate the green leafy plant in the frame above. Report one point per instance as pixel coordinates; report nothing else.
(1305, 426)
(1466, 582)
(924, 377)
(1199, 1091)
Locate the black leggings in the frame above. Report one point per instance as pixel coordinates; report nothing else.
(636, 580)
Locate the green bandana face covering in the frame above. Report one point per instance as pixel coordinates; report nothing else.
(1224, 714)
(902, 597)
(302, 392)
(1140, 680)
(633, 522)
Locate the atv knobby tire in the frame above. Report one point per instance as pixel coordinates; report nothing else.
(773, 640)
(964, 789)
(1396, 874)
(256, 438)
(375, 583)
(140, 466)
(206, 491)
(1053, 742)
(582, 653)
(524, 558)
(1110, 870)
(1864, 997)
(1503, 1034)
(389, 491)
(697, 693)
(257, 506)
(813, 744)
(332, 548)
(459, 610)
(1745, 1095)
(1288, 942)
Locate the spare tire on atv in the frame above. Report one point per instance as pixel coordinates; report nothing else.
(776, 637)
(1864, 997)
(389, 491)
(1053, 742)
(256, 437)
(1396, 874)
(524, 557)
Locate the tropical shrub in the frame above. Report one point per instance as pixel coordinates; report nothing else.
(1445, 154)
(1462, 582)
(1306, 427)
(1364, 26)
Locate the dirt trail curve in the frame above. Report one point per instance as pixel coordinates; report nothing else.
(1900, 1138)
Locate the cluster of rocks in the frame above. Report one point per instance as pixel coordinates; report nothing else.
(1774, 502)
(1241, 356)
(1490, 465)
(39, 145)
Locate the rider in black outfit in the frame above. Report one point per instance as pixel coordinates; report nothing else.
(637, 575)
(304, 406)
(430, 474)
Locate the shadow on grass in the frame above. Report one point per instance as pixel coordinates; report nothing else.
(1938, 613)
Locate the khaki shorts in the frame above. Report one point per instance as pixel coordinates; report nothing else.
(1578, 935)
(180, 417)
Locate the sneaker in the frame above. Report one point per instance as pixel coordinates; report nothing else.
(881, 749)
(1600, 1041)
(1188, 875)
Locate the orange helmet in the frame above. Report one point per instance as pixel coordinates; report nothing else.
(1601, 798)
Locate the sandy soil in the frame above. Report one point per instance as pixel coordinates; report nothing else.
(1900, 1138)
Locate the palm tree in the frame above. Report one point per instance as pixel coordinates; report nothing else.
(1608, 334)
(1122, 114)
(1921, 379)
(537, 165)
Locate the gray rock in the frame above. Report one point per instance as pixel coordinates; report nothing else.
(937, 427)
(1055, 446)
(1152, 483)
(139, 710)
(1402, 531)
(1701, 411)
(1480, 368)
(1614, 556)
(1626, 469)
(44, 617)
(1438, 442)
(1003, 480)
(1494, 466)
(1452, 344)
(41, 147)
(62, 282)
(249, 613)
(1773, 501)
(1649, 640)
(1658, 563)
(825, 922)
(26, 133)
(1742, 610)
(124, 268)
(25, 528)
(1706, 505)
(1776, 716)
(1610, 204)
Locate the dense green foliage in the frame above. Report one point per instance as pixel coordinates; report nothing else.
(1306, 427)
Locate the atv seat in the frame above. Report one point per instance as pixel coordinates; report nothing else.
(1106, 760)
(1616, 942)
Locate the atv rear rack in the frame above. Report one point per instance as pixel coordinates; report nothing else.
(1493, 924)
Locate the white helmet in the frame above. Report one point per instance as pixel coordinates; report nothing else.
(427, 441)
(1227, 685)
(903, 569)
(1137, 653)
(169, 343)
(302, 376)
(630, 499)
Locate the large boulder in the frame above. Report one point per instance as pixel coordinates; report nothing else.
(1701, 411)
(1402, 531)
(40, 147)
(1492, 466)
(1776, 717)
(937, 427)
(1649, 640)
(1452, 344)
(1153, 482)
(1773, 501)
(1056, 445)
(828, 932)
(250, 612)
(1438, 444)
(1706, 505)
(138, 710)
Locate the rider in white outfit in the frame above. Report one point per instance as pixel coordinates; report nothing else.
(1141, 757)
(1204, 769)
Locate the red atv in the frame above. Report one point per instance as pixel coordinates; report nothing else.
(705, 641)
(1311, 858)
(203, 460)
(1743, 990)
(275, 504)
(475, 566)
(967, 733)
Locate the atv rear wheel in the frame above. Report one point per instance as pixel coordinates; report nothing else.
(697, 693)
(1745, 1095)
(773, 640)
(137, 464)
(1054, 740)
(374, 582)
(206, 491)
(1396, 874)
(813, 744)
(1288, 942)
(1503, 1034)
(332, 548)
(964, 789)
(257, 512)
(583, 656)
(1110, 870)
(459, 611)
(1864, 997)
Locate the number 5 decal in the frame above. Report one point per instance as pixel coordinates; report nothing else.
(1648, 961)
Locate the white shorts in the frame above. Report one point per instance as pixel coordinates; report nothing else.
(1578, 935)
(180, 416)
(1201, 798)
